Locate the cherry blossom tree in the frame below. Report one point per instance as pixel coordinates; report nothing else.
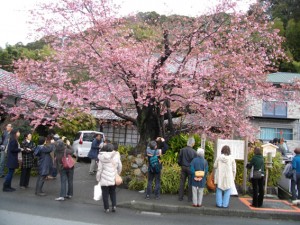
(201, 69)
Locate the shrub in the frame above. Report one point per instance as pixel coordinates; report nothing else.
(170, 179)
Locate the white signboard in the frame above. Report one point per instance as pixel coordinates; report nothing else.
(269, 148)
(237, 148)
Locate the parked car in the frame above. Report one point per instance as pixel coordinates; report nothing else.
(83, 141)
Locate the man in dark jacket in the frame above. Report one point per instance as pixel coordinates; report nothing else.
(186, 155)
(3, 148)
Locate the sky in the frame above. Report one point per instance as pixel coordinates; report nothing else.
(14, 14)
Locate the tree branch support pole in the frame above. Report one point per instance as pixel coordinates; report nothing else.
(245, 163)
(269, 165)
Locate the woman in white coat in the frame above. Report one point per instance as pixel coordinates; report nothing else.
(109, 165)
(225, 171)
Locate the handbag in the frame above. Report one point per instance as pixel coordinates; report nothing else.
(199, 173)
(67, 161)
(210, 182)
(257, 174)
(119, 179)
(97, 192)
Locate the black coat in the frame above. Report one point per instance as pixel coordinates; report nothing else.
(12, 154)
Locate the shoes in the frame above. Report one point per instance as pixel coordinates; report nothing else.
(22, 187)
(157, 197)
(219, 206)
(194, 205)
(91, 173)
(6, 189)
(60, 199)
(199, 205)
(50, 178)
(68, 196)
(180, 199)
(41, 194)
(12, 189)
(106, 210)
(114, 209)
(147, 197)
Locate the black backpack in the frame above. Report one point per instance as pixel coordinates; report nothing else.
(154, 165)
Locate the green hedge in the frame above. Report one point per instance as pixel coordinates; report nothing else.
(170, 178)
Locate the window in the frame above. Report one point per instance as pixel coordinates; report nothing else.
(121, 134)
(275, 109)
(269, 133)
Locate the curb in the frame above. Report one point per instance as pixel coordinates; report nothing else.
(165, 208)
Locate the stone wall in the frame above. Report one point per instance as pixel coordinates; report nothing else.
(134, 166)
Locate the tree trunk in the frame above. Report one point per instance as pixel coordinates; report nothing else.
(148, 126)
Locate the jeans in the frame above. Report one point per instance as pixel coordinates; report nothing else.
(258, 192)
(25, 176)
(2, 162)
(9, 177)
(197, 195)
(39, 184)
(109, 191)
(151, 177)
(66, 182)
(185, 173)
(222, 197)
(293, 187)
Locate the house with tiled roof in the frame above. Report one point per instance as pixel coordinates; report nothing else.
(15, 91)
(278, 119)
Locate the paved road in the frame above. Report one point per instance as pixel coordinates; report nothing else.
(34, 210)
(23, 207)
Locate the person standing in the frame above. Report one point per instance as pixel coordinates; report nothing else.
(94, 151)
(27, 160)
(42, 152)
(225, 171)
(12, 159)
(198, 183)
(3, 148)
(66, 175)
(151, 151)
(257, 162)
(296, 180)
(186, 155)
(109, 165)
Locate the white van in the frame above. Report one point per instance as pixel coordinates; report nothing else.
(83, 141)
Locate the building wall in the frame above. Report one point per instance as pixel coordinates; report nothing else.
(256, 109)
(121, 134)
(280, 123)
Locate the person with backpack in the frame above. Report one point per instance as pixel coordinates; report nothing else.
(296, 178)
(154, 170)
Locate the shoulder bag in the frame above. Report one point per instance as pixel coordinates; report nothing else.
(67, 161)
(118, 178)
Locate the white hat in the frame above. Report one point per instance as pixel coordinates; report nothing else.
(56, 136)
